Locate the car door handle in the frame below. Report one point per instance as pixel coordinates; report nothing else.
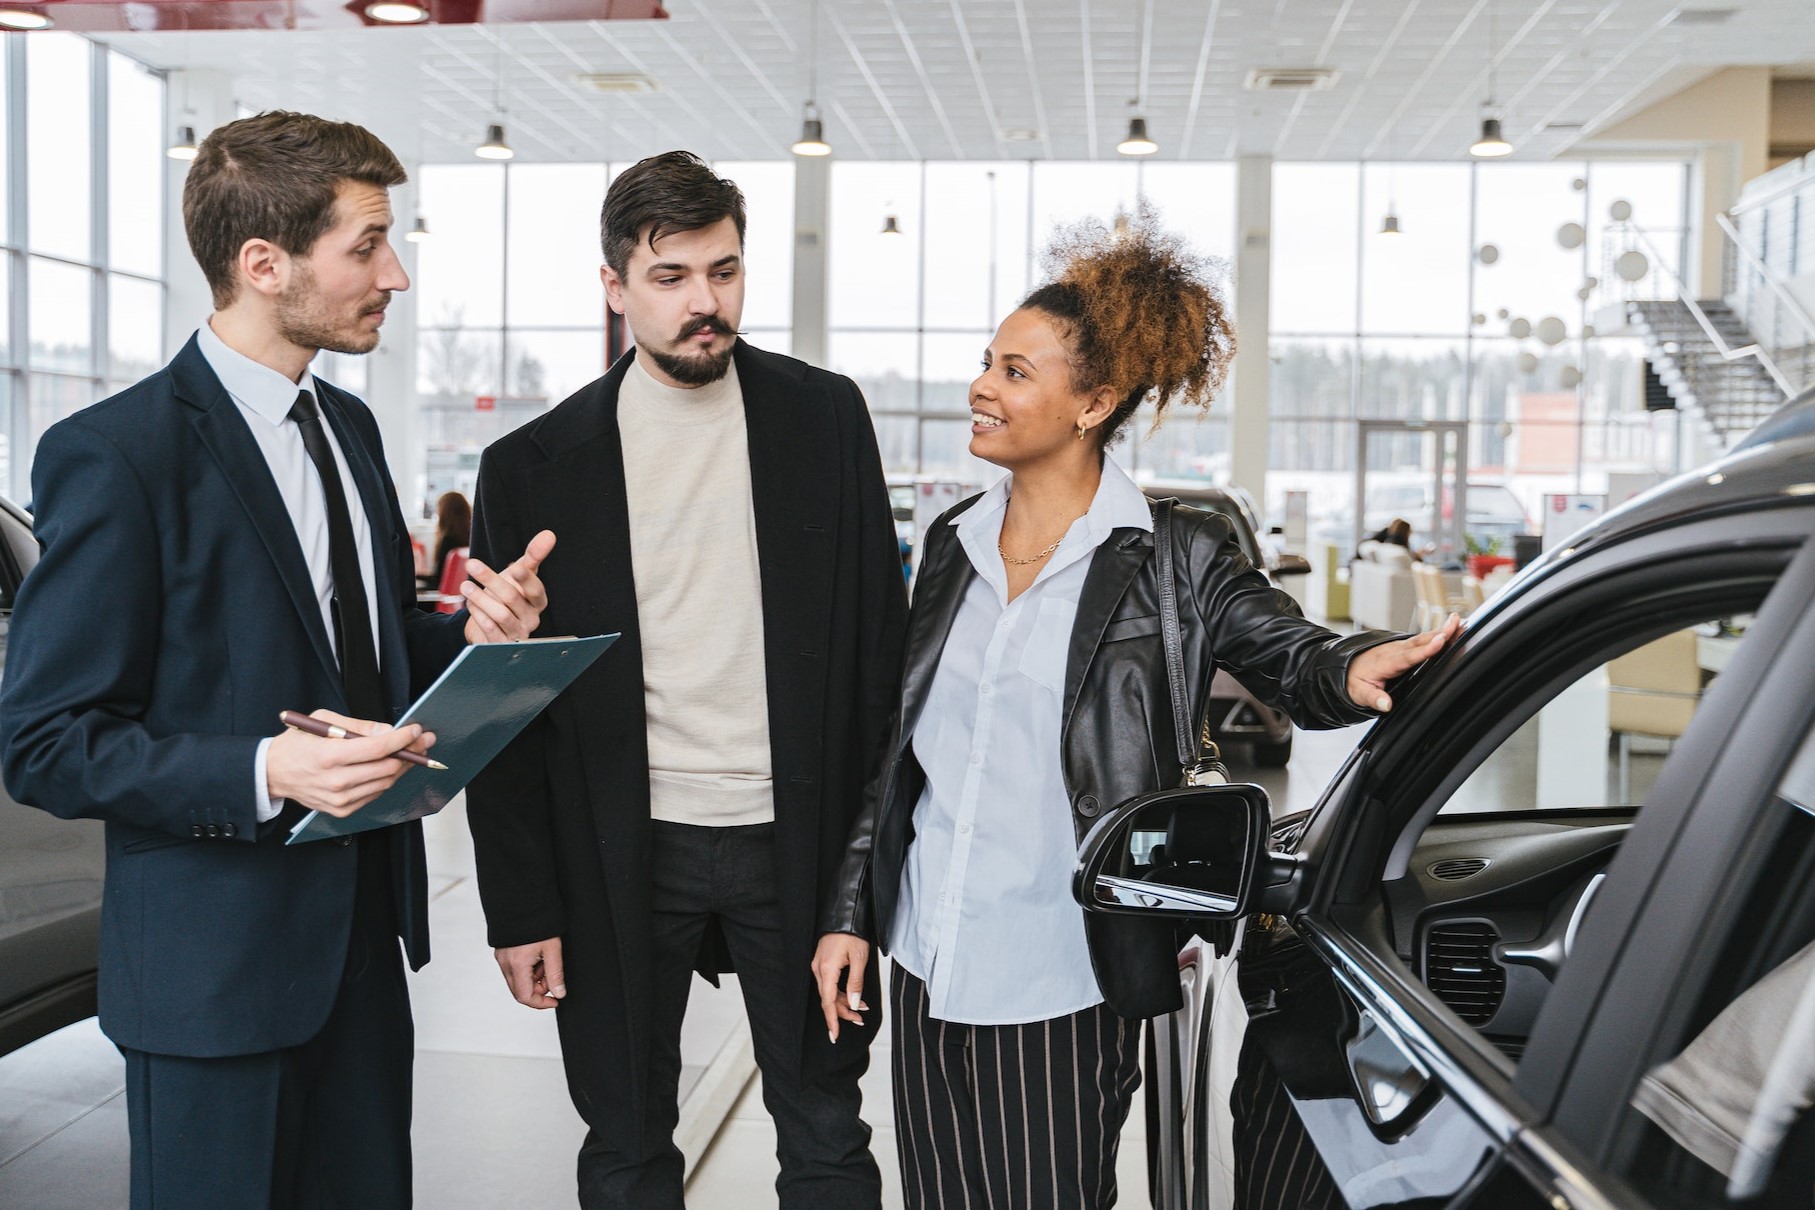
(1389, 1083)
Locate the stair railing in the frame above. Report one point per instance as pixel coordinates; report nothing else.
(1685, 296)
(1784, 304)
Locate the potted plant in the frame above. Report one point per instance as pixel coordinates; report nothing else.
(1484, 555)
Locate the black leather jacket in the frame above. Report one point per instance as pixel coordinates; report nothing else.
(1116, 741)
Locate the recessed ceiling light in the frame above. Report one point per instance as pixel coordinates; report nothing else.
(23, 18)
(1291, 79)
(391, 13)
(1703, 16)
(1020, 134)
(616, 81)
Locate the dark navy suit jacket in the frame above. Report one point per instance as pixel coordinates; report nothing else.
(170, 618)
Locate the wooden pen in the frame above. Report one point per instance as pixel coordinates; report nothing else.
(326, 730)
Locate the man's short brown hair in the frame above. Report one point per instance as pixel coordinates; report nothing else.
(667, 193)
(274, 177)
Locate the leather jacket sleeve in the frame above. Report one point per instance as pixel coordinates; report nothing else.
(1260, 634)
(848, 906)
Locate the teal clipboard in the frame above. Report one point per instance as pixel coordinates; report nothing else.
(487, 695)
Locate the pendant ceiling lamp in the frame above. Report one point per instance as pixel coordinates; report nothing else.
(496, 147)
(812, 140)
(1137, 141)
(1492, 144)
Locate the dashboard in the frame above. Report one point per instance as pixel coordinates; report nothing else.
(1490, 905)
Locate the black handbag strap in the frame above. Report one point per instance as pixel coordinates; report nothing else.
(1170, 636)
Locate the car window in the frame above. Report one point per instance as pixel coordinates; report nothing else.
(1602, 740)
(1726, 1115)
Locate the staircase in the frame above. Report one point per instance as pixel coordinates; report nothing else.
(1727, 386)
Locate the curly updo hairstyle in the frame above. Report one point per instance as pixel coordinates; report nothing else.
(1140, 312)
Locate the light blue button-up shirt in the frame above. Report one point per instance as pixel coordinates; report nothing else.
(986, 916)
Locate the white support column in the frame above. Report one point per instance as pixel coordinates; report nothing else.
(812, 227)
(1249, 396)
(203, 99)
(391, 367)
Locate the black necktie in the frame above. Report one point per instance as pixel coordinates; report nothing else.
(358, 654)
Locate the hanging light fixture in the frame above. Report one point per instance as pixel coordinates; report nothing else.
(812, 140)
(495, 147)
(890, 226)
(23, 19)
(1492, 144)
(1136, 142)
(1390, 225)
(184, 148)
(386, 12)
(419, 232)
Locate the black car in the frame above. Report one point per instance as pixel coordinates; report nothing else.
(1548, 939)
(50, 872)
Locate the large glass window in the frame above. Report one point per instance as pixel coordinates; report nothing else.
(512, 315)
(88, 332)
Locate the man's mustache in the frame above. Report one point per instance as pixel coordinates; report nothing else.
(705, 323)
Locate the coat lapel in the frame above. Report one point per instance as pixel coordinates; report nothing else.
(1112, 568)
(223, 430)
(937, 596)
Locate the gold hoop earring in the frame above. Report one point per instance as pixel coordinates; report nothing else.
(1083, 431)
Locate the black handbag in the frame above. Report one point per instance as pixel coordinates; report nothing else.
(1203, 767)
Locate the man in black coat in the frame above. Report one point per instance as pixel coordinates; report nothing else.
(684, 805)
(221, 543)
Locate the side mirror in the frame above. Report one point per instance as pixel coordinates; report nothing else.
(1197, 852)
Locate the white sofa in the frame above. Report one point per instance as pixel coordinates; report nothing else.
(1382, 593)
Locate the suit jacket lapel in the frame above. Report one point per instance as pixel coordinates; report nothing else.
(223, 430)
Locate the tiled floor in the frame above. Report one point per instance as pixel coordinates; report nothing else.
(494, 1126)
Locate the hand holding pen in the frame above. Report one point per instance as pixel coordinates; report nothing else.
(339, 776)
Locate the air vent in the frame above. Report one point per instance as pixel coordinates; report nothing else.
(1459, 967)
(1461, 867)
(1291, 79)
(617, 81)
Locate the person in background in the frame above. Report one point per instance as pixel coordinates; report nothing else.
(1398, 532)
(684, 805)
(453, 529)
(1035, 698)
(221, 542)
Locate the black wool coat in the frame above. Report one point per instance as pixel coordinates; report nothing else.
(561, 819)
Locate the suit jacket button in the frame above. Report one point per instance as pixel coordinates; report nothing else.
(343, 841)
(229, 829)
(213, 831)
(1087, 806)
(196, 830)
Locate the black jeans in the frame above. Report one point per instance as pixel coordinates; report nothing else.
(698, 874)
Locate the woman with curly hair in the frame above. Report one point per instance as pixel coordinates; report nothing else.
(1036, 697)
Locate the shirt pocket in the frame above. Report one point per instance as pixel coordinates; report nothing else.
(1048, 644)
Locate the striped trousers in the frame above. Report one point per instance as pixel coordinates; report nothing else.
(1009, 1117)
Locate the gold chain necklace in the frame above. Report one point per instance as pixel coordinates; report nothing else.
(1008, 558)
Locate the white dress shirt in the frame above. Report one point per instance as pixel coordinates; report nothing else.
(986, 916)
(264, 398)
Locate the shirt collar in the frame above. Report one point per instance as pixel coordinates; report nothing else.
(259, 389)
(1118, 504)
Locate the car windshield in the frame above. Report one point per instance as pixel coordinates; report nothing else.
(1602, 741)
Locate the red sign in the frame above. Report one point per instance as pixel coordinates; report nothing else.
(485, 403)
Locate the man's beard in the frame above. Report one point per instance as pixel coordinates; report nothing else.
(303, 321)
(695, 370)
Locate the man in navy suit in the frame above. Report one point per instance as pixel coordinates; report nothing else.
(222, 542)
